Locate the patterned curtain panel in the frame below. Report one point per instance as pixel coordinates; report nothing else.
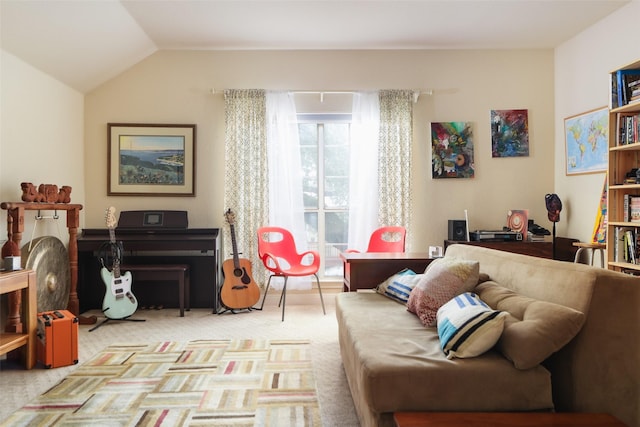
(246, 190)
(394, 157)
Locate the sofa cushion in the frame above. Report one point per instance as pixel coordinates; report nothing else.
(443, 279)
(399, 286)
(534, 329)
(468, 327)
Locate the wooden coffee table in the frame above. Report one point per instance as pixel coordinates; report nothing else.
(496, 419)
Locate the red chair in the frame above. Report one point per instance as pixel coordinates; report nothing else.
(278, 252)
(386, 239)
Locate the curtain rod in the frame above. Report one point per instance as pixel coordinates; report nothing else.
(416, 93)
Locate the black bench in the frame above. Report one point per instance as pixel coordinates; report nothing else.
(168, 272)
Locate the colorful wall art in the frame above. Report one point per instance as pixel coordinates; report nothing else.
(452, 150)
(509, 133)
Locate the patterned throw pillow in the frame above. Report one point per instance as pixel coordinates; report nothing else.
(443, 279)
(468, 327)
(399, 286)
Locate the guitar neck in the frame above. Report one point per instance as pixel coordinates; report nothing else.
(234, 245)
(114, 253)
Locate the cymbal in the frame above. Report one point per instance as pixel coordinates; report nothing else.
(49, 258)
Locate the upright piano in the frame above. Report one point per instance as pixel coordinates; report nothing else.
(153, 237)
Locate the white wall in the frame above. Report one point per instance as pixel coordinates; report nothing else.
(41, 140)
(174, 87)
(581, 82)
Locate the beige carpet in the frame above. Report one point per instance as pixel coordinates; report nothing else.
(304, 321)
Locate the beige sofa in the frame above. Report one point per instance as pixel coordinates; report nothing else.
(394, 363)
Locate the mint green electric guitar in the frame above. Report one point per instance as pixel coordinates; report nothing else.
(119, 302)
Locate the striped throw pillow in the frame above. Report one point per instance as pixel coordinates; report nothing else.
(398, 287)
(468, 327)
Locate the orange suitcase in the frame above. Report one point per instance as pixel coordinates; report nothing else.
(57, 343)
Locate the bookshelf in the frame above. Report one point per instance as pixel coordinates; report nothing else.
(623, 228)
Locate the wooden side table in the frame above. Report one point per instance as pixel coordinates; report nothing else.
(513, 419)
(23, 281)
(365, 270)
(16, 210)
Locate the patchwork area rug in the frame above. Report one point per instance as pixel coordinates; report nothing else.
(199, 383)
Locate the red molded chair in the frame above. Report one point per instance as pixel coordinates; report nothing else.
(386, 239)
(278, 252)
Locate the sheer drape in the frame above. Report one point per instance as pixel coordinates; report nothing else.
(363, 173)
(286, 206)
(246, 190)
(394, 157)
(380, 175)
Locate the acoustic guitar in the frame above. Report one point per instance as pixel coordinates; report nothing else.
(119, 302)
(239, 290)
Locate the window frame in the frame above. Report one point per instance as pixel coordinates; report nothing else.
(321, 210)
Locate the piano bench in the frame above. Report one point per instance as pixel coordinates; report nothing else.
(162, 272)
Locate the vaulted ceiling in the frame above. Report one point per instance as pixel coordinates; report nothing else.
(84, 43)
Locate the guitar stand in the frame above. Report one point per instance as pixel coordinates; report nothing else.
(233, 310)
(108, 318)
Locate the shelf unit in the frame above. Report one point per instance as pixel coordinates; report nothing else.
(623, 157)
(24, 281)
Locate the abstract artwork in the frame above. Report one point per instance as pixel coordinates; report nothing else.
(452, 150)
(509, 133)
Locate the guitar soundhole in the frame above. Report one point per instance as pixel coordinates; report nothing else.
(242, 273)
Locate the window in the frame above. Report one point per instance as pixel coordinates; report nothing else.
(324, 151)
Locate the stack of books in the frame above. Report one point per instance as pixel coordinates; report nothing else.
(625, 87)
(631, 208)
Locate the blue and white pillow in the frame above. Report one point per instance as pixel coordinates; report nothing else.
(399, 286)
(468, 327)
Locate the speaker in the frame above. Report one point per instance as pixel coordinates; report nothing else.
(457, 229)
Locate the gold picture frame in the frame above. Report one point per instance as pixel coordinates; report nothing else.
(151, 159)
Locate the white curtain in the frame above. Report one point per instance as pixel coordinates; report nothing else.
(363, 174)
(286, 206)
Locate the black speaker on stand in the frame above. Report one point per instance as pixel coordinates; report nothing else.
(457, 230)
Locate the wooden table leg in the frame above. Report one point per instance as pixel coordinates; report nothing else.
(73, 221)
(14, 299)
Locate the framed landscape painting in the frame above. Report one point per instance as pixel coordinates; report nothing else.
(151, 159)
(587, 142)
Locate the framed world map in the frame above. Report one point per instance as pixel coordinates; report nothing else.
(586, 142)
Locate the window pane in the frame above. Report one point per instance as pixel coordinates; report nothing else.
(336, 232)
(336, 192)
(311, 225)
(309, 159)
(336, 165)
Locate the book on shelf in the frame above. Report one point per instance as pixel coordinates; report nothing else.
(613, 84)
(631, 208)
(628, 128)
(634, 209)
(623, 84)
(626, 248)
